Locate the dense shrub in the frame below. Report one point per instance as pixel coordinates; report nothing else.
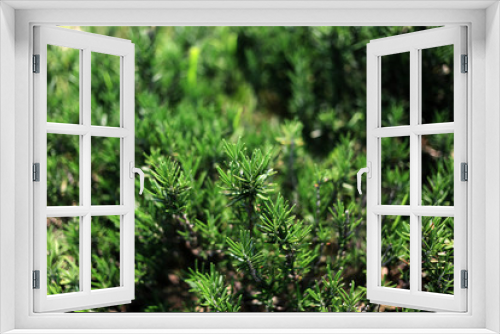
(251, 138)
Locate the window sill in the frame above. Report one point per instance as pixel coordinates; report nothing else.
(251, 331)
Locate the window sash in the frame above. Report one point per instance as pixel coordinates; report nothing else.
(86, 297)
(413, 43)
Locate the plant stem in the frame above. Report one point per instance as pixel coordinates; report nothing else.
(250, 215)
(291, 170)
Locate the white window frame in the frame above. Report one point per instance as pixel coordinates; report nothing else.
(414, 43)
(483, 21)
(85, 43)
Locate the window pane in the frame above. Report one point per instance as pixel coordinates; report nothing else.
(437, 254)
(105, 171)
(437, 170)
(395, 252)
(63, 177)
(63, 84)
(105, 89)
(395, 99)
(63, 242)
(437, 84)
(105, 252)
(395, 170)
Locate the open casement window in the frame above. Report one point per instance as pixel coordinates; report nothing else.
(418, 223)
(82, 222)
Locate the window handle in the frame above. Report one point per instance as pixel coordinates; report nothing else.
(368, 171)
(133, 171)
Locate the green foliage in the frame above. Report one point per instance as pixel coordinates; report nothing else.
(63, 166)
(251, 147)
(329, 295)
(437, 254)
(246, 256)
(171, 186)
(105, 252)
(395, 250)
(280, 227)
(63, 253)
(105, 186)
(62, 256)
(344, 227)
(213, 291)
(246, 177)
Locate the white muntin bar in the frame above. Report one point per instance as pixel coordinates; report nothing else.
(107, 131)
(86, 170)
(433, 129)
(407, 130)
(67, 129)
(80, 130)
(434, 211)
(67, 211)
(392, 210)
(109, 210)
(419, 210)
(415, 165)
(94, 210)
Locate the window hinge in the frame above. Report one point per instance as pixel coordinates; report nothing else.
(36, 279)
(36, 172)
(464, 171)
(465, 64)
(36, 63)
(465, 279)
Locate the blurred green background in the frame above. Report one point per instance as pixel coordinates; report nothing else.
(221, 227)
